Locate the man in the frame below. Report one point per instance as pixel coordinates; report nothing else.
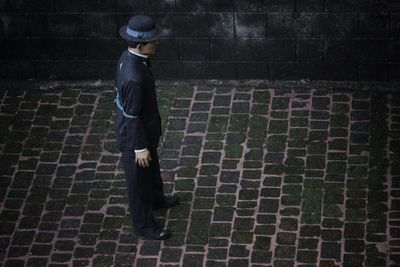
(138, 127)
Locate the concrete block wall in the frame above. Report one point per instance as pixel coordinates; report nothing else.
(205, 39)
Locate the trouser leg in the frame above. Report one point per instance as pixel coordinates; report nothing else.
(140, 192)
(158, 187)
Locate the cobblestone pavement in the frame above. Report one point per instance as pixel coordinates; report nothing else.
(267, 177)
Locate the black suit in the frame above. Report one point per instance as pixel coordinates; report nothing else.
(135, 85)
(138, 126)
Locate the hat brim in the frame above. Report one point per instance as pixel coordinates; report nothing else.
(124, 35)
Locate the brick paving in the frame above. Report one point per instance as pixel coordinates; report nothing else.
(268, 177)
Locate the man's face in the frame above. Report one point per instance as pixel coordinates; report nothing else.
(149, 48)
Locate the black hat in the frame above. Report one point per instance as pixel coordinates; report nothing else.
(140, 28)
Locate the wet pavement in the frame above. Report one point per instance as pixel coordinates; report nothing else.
(268, 177)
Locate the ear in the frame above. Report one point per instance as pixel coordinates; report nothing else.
(139, 47)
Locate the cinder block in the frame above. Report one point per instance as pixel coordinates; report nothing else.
(75, 70)
(195, 49)
(394, 50)
(37, 25)
(313, 71)
(251, 50)
(60, 70)
(373, 71)
(354, 50)
(374, 50)
(37, 48)
(208, 70)
(250, 25)
(250, 6)
(160, 6)
(105, 48)
(145, 6)
(43, 49)
(395, 25)
(41, 6)
(63, 49)
(273, 49)
(310, 49)
(344, 5)
(133, 6)
(225, 5)
(84, 5)
(395, 6)
(341, 50)
(100, 69)
(374, 25)
(280, 5)
(168, 49)
(252, 70)
(223, 49)
(73, 25)
(100, 25)
(191, 5)
(26, 6)
(13, 48)
(281, 49)
(310, 6)
(294, 25)
(123, 19)
(20, 70)
(339, 72)
(167, 70)
(204, 25)
(193, 70)
(13, 26)
(3, 70)
(292, 71)
(339, 25)
(394, 72)
(378, 6)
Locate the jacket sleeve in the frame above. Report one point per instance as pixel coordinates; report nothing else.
(133, 104)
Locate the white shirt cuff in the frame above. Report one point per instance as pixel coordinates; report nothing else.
(140, 150)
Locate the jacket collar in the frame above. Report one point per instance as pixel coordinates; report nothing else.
(139, 58)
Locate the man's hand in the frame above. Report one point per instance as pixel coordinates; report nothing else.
(143, 158)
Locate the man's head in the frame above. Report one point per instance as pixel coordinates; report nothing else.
(141, 33)
(146, 48)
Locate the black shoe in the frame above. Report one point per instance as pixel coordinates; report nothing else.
(153, 233)
(169, 201)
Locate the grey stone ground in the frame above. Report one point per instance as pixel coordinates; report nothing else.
(268, 176)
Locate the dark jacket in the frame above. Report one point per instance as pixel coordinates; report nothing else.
(135, 87)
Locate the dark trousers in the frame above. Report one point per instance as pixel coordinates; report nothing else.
(145, 188)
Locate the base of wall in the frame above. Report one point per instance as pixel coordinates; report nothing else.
(164, 84)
